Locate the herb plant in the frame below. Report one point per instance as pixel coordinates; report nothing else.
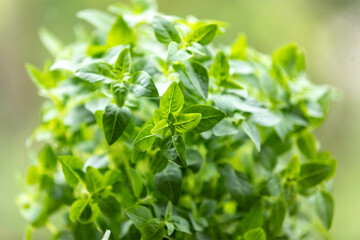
(149, 131)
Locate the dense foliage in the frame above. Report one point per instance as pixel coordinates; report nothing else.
(151, 132)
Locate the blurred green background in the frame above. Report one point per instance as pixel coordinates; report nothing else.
(328, 30)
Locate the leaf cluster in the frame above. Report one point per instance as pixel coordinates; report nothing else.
(151, 132)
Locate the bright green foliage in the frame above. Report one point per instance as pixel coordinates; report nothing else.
(150, 131)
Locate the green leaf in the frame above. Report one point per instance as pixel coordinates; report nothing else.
(312, 174)
(253, 133)
(173, 149)
(136, 182)
(181, 224)
(123, 62)
(277, 216)
(94, 180)
(77, 208)
(109, 205)
(52, 43)
(252, 219)
(47, 158)
(209, 116)
(160, 129)
(291, 59)
(145, 138)
(96, 72)
(293, 168)
(165, 31)
(99, 19)
(289, 192)
(120, 92)
(324, 203)
(153, 230)
(172, 101)
(72, 169)
(255, 234)
(220, 68)
(199, 77)
(168, 182)
(139, 216)
(307, 145)
(120, 33)
(238, 49)
(114, 121)
(177, 54)
(203, 34)
(240, 189)
(186, 122)
(158, 162)
(32, 175)
(112, 176)
(142, 85)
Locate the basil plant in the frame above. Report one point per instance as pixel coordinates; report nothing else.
(149, 131)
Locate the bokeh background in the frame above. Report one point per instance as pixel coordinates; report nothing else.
(328, 30)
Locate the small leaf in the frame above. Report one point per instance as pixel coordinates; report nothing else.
(165, 31)
(94, 180)
(139, 216)
(325, 208)
(109, 205)
(168, 182)
(181, 224)
(220, 68)
(123, 62)
(158, 162)
(277, 216)
(153, 230)
(177, 54)
(96, 72)
(172, 101)
(144, 139)
(120, 33)
(209, 116)
(199, 77)
(136, 182)
(142, 85)
(160, 129)
(293, 168)
(307, 145)
(47, 158)
(32, 175)
(311, 174)
(240, 189)
(120, 92)
(173, 149)
(99, 19)
(203, 34)
(238, 49)
(253, 133)
(52, 43)
(77, 208)
(186, 122)
(72, 169)
(255, 234)
(115, 120)
(253, 218)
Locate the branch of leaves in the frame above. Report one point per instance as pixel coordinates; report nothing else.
(40, 174)
(170, 122)
(98, 186)
(155, 228)
(166, 32)
(120, 77)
